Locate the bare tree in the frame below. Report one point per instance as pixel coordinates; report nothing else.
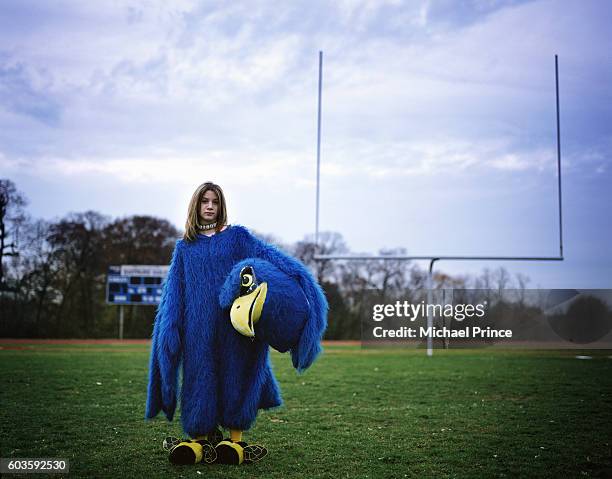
(392, 274)
(12, 217)
(138, 240)
(522, 280)
(325, 270)
(484, 282)
(502, 278)
(77, 241)
(38, 270)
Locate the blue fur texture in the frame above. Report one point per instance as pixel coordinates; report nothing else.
(226, 377)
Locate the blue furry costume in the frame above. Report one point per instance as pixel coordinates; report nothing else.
(226, 376)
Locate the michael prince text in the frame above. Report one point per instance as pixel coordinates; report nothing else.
(412, 311)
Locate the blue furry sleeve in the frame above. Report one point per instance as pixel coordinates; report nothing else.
(309, 346)
(166, 342)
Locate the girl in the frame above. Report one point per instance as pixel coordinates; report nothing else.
(226, 376)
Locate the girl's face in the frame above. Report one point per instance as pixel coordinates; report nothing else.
(209, 207)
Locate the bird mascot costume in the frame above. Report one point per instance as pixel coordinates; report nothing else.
(226, 299)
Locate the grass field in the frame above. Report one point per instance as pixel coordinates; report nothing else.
(362, 414)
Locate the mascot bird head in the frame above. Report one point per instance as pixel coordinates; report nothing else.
(247, 307)
(268, 305)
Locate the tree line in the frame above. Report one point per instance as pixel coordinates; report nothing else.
(53, 273)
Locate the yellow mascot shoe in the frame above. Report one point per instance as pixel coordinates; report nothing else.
(186, 453)
(229, 452)
(200, 449)
(236, 453)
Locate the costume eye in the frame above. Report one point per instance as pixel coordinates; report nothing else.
(247, 280)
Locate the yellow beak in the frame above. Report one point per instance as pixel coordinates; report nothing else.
(246, 310)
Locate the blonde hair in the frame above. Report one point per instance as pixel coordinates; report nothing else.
(193, 212)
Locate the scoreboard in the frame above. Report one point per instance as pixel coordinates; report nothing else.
(135, 284)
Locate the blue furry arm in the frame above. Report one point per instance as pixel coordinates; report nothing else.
(166, 343)
(309, 346)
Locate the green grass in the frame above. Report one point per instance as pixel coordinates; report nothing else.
(355, 414)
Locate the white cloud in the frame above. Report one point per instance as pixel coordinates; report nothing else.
(427, 159)
(244, 168)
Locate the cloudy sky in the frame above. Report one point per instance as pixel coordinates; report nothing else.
(438, 120)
